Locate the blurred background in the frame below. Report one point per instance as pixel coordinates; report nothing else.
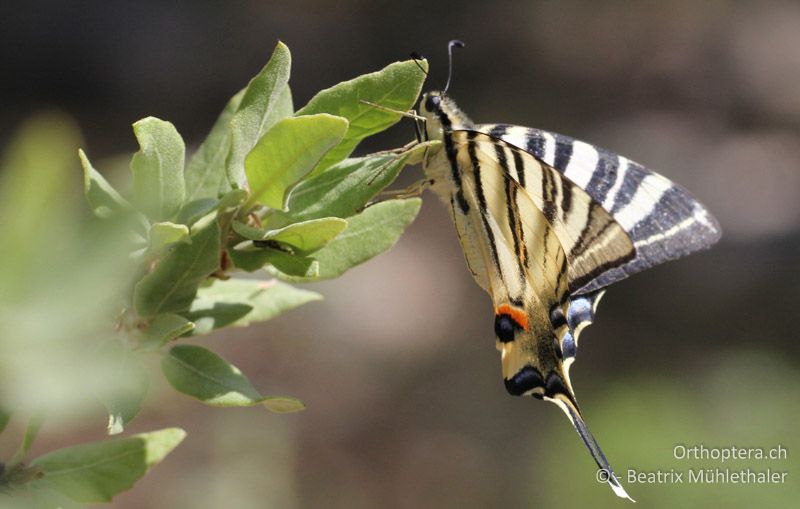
(406, 406)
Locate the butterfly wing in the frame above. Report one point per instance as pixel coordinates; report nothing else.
(523, 191)
(510, 239)
(592, 239)
(518, 243)
(663, 220)
(580, 313)
(519, 261)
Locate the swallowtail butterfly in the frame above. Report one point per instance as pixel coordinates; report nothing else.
(546, 223)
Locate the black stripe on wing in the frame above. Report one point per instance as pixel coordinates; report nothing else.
(663, 220)
(588, 234)
(520, 245)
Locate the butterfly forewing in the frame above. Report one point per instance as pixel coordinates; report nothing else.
(662, 219)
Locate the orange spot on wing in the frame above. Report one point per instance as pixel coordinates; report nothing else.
(519, 316)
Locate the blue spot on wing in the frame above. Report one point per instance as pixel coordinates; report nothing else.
(580, 311)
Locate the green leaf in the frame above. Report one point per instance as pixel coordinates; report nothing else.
(420, 150)
(285, 106)
(164, 328)
(249, 232)
(367, 235)
(240, 302)
(158, 168)
(98, 471)
(164, 234)
(172, 285)
(204, 375)
(287, 152)
(35, 170)
(120, 382)
(207, 377)
(264, 103)
(304, 238)
(124, 402)
(283, 404)
(31, 432)
(343, 189)
(249, 261)
(205, 171)
(396, 87)
(294, 265)
(5, 416)
(104, 200)
(286, 263)
(196, 209)
(20, 476)
(232, 199)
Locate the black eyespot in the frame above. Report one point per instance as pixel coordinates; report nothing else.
(555, 385)
(504, 327)
(557, 318)
(432, 103)
(526, 379)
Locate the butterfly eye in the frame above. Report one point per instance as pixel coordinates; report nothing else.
(432, 102)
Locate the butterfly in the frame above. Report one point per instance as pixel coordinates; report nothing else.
(547, 223)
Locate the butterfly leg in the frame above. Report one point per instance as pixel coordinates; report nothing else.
(408, 114)
(401, 150)
(411, 191)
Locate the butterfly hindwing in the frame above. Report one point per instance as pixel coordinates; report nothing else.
(662, 219)
(537, 277)
(579, 314)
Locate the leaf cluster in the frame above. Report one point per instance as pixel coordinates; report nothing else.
(271, 196)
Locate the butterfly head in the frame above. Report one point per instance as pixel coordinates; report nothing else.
(439, 110)
(441, 115)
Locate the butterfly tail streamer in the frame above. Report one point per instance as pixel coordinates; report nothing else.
(606, 473)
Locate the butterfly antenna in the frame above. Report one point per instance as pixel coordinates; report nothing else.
(417, 57)
(450, 45)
